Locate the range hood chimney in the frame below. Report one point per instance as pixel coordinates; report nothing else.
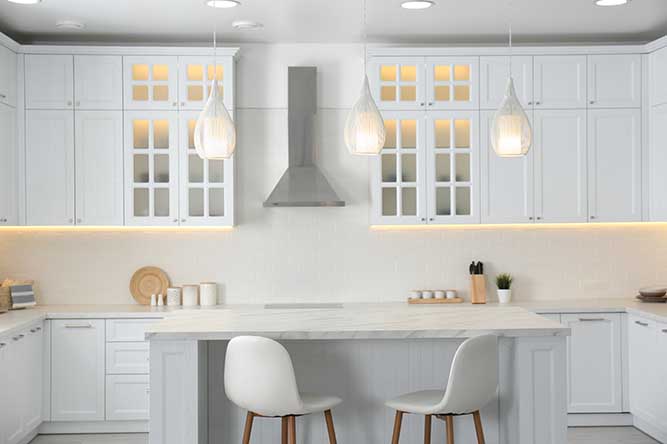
(303, 184)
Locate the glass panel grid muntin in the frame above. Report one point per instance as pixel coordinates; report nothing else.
(150, 80)
(200, 84)
(394, 87)
(399, 188)
(453, 82)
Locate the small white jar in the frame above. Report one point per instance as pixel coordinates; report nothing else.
(174, 296)
(190, 295)
(505, 296)
(427, 294)
(415, 294)
(439, 294)
(208, 294)
(451, 294)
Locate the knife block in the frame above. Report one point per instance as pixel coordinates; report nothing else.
(478, 289)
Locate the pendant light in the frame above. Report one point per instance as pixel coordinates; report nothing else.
(215, 134)
(511, 134)
(364, 129)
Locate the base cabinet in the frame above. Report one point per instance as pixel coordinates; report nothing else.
(127, 397)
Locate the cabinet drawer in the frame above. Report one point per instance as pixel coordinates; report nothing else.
(127, 330)
(127, 397)
(127, 358)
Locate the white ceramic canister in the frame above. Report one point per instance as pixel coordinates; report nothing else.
(439, 294)
(504, 296)
(208, 294)
(427, 294)
(190, 295)
(451, 294)
(174, 296)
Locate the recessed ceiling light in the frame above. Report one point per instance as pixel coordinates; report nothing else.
(69, 24)
(611, 2)
(417, 4)
(222, 3)
(246, 24)
(25, 2)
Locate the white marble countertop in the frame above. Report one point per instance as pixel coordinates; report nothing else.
(657, 312)
(356, 321)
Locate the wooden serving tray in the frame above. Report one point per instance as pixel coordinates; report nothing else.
(435, 301)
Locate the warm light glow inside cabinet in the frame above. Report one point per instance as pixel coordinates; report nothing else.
(195, 76)
(151, 82)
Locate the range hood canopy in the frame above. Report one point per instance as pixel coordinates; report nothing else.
(303, 184)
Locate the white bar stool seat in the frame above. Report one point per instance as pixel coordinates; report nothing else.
(473, 383)
(259, 378)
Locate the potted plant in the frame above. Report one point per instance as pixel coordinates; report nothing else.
(504, 282)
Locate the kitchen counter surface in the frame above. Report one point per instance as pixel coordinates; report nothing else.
(657, 312)
(356, 321)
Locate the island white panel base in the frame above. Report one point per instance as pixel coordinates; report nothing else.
(188, 405)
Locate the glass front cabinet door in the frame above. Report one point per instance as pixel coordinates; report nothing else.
(151, 168)
(195, 77)
(451, 82)
(150, 83)
(206, 191)
(397, 83)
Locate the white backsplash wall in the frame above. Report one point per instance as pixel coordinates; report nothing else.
(327, 254)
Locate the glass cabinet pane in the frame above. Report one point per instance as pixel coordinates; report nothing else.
(443, 133)
(216, 202)
(443, 201)
(409, 168)
(390, 138)
(409, 201)
(161, 168)
(389, 168)
(408, 134)
(140, 134)
(141, 202)
(442, 168)
(463, 201)
(141, 168)
(388, 93)
(389, 201)
(220, 70)
(195, 169)
(441, 73)
(195, 92)
(388, 73)
(408, 73)
(408, 93)
(140, 93)
(216, 171)
(462, 167)
(160, 72)
(161, 134)
(196, 202)
(462, 133)
(140, 72)
(461, 73)
(160, 93)
(161, 201)
(452, 83)
(194, 72)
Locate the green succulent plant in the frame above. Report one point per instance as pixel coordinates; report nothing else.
(504, 281)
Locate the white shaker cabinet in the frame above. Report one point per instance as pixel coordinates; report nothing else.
(127, 397)
(195, 77)
(506, 183)
(8, 167)
(658, 86)
(560, 166)
(658, 164)
(150, 83)
(452, 83)
(77, 370)
(8, 76)
(98, 82)
(560, 82)
(398, 83)
(49, 81)
(614, 81)
(614, 165)
(595, 382)
(99, 167)
(644, 376)
(494, 72)
(49, 167)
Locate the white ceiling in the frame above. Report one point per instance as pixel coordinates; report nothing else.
(449, 21)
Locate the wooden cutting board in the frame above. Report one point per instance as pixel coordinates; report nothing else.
(147, 281)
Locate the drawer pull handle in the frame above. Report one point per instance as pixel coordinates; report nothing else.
(38, 328)
(148, 391)
(2, 344)
(2, 96)
(664, 330)
(19, 337)
(79, 326)
(643, 324)
(592, 319)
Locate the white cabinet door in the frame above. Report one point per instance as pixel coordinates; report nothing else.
(195, 77)
(398, 83)
(150, 82)
(49, 81)
(127, 358)
(614, 165)
(658, 89)
(8, 167)
(452, 162)
(560, 82)
(397, 174)
(658, 164)
(49, 167)
(494, 71)
(644, 377)
(77, 366)
(452, 83)
(12, 419)
(8, 76)
(506, 183)
(206, 186)
(34, 353)
(594, 363)
(99, 167)
(614, 81)
(151, 168)
(661, 369)
(6, 401)
(127, 397)
(98, 82)
(560, 166)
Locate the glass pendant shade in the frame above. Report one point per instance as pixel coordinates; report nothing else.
(215, 134)
(511, 134)
(364, 129)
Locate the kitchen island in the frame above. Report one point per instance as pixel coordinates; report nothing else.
(364, 353)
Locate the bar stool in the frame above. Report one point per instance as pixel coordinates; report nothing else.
(473, 382)
(259, 378)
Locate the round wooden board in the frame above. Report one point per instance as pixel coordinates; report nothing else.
(147, 281)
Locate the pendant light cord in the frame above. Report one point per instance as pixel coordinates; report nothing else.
(509, 20)
(365, 36)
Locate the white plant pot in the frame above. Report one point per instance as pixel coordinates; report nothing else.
(504, 296)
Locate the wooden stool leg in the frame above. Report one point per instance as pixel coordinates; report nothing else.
(248, 427)
(330, 427)
(397, 427)
(283, 420)
(450, 429)
(292, 429)
(478, 427)
(427, 429)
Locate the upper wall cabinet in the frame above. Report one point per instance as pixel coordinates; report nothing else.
(658, 86)
(614, 81)
(195, 77)
(451, 82)
(560, 82)
(614, 165)
(49, 81)
(8, 75)
(494, 72)
(151, 83)
(658, 163)
(98, 82)
(8, 167)
(398, 83)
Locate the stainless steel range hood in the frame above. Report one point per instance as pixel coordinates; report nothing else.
(303, 184)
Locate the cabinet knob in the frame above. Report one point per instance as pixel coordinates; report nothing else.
(182, 103)
(530, 103)
(2, 96)
(2, 344)
(69, 103)
(530, 218)
(183, 220)
(423, 219)
(430, 103)
(78, 221)
(538, 103)
(78, 103)
(421, 104)
(592, 217)
(174, 104)
(38, 328)
(539, 217)
(431, 219)
(71, 221)
(175, 221)
(19, 337)
(4, 219)
(32, 330)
